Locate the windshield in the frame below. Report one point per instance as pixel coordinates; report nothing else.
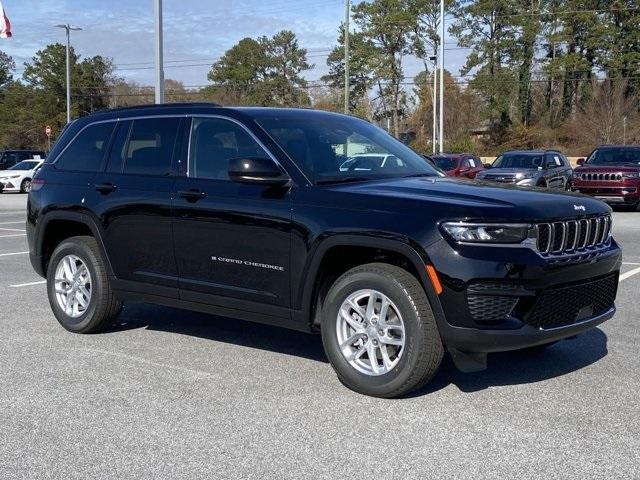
(519, 160)
(332, 148)
(611, 156)
(445, 163)
(24, 166)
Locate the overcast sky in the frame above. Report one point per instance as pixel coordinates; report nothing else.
(196, 32)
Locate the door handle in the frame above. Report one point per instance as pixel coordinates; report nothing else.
(105, 187)
(192, 195)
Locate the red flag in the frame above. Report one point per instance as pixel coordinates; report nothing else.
(5, 25)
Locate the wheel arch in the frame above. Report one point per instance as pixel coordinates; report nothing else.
(58, 226)
(315, 276)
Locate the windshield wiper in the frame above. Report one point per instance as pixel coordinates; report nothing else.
(327, 181)
(417, 175)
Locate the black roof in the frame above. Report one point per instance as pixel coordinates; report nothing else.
(608, 146)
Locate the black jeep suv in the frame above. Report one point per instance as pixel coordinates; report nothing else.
(246, 213)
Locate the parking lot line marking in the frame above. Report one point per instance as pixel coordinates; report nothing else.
(13, 229)
(15, 235)
(630, 273)
(13, 213)
(630, 263)
(28, 284)
(12, 223)
(12, 254)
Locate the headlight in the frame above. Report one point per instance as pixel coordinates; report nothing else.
(631, 175)
(522, 176)
(487, 233)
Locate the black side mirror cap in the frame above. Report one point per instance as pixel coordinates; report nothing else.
(487, 165)
(257, 171)
(580, 161)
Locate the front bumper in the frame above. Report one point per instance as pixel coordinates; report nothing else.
(617, 194)
(499, 299)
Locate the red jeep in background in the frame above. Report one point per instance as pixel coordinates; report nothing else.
(458, 164)
(612, 174)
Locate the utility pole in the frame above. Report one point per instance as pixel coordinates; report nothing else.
(68, 29)
(442, 30)
(347, 80)
(159, 54)
(434, 101)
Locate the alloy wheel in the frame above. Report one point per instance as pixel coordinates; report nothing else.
(370, 332)
(73, 286)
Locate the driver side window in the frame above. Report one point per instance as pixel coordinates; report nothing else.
(215, 141)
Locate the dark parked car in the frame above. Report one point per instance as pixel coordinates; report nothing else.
(458, 164)
(539, 168)
(612, 174)
(9, 158)
(245, 213)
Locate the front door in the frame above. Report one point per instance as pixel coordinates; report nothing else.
(232, 240)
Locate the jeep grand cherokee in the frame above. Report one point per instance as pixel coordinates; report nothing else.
(246, 213)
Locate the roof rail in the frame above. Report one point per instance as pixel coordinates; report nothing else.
(162, 105)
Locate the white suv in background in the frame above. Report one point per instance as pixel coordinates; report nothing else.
(18, 178)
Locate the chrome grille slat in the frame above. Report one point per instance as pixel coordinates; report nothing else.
(575, 237)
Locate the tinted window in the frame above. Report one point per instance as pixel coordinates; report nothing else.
(445, 163)
(321, 143)
(214, 142)
(613, 156)
(25, 166)
(150, 147)
(116, 156)
(86, 152)
(519, 160)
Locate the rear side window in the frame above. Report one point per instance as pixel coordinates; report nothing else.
(150, 147)
(86, 151)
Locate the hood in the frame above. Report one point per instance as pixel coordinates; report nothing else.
(10, 173)
(449, 197)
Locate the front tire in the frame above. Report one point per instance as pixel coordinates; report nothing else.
(25, 186)
(379, 332)
(78, 287)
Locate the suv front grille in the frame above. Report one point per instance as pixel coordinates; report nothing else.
(570, 236)
(561, 306)
(602, 177)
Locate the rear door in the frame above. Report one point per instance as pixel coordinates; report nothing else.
(132, 198)
(232, 240)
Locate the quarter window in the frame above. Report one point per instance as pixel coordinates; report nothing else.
(150, 147)
(86, 152)
(214, 142)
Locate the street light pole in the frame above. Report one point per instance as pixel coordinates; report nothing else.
(442, 30)
(347, 15)
(159, 54)
(68, 28)
(434, 100)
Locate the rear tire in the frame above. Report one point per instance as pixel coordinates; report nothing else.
(78, 287)
(406, 330)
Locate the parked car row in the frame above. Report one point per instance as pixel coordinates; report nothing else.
(611, 173)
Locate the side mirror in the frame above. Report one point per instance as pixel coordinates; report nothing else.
(580, 161)
(257, 171)
(487, 165)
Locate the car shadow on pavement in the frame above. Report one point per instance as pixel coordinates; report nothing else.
(220, 329)
(521, 367)
(508, 368)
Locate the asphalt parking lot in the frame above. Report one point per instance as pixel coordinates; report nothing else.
(174, 394)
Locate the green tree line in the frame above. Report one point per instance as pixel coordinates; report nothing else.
(538, 73)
